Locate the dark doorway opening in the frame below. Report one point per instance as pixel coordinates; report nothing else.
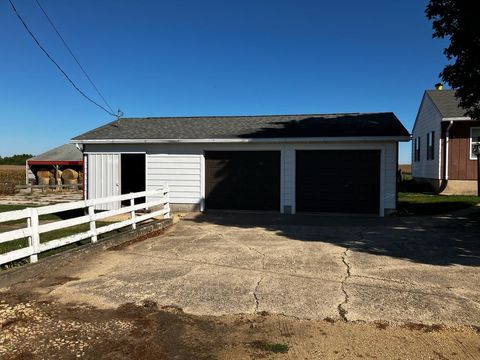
(132, 175)
(242, 180)
(341, 181)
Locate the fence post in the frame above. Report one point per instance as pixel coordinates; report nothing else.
(132, 213)
(93, 226)
(34, 239)
(166, 194)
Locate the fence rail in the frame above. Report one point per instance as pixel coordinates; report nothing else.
(33, 229)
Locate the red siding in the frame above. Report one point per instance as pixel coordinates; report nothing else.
(459, 163)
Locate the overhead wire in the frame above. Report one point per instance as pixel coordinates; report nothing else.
(55, 63)
(73, 55)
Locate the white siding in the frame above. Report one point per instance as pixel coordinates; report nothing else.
(390, 176)
(289, 177)
(182, 174)
(104, 178)
(428, 119)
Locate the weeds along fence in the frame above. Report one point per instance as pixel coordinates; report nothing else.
(9, 178)
(158, 206)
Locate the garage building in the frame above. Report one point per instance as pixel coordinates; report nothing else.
(336, 163)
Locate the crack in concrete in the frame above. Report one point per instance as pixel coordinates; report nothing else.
(342, 312)
(255, 296)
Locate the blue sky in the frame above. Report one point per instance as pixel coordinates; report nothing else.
(190, 57)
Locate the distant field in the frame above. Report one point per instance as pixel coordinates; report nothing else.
(406, 168)
(11, 175)
(12, 168)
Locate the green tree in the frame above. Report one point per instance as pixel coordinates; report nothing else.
(458, 20)
(18, 159)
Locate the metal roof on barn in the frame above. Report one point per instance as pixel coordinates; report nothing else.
(251, 127)
(63, 153)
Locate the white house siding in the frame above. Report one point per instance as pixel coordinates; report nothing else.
(428, 119)
(181, 166)
(181, 172)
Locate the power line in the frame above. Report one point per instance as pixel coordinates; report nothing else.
(55, 63)
(74, 57)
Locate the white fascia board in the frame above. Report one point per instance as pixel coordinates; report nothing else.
(246, 140)
(461, 118)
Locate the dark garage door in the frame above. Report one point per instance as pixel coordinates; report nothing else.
(338, 181)
(242, 180)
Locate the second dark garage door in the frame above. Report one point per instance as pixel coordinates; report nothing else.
(242, 180)
(338, 181)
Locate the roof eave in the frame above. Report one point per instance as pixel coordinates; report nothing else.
(244, 140)
(457, 118)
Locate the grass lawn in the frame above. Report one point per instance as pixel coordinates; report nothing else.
(5, 208)
(422, 204)
(45, 237)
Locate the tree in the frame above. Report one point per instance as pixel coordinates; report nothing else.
(458, 20)
(18, 159)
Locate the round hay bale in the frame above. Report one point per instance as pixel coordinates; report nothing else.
(69, 174)
(44, 174)
(43, 180)
(70, 181)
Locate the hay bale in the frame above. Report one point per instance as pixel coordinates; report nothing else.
(70, 181)
(44, 173)
(43, 180)
(69, 174)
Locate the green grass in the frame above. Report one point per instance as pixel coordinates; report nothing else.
(423, 204)
(45, 237)
(5, 208)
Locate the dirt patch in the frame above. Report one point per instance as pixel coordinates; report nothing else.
(423, 327)
(36, 329)
(136, 240)
(55, 281)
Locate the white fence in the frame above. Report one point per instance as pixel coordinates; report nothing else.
(33, 227)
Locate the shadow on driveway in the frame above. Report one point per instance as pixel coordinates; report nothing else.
(441, 241)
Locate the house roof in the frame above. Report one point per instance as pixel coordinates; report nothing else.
(250, 127)
(66, 152)
(446, 103)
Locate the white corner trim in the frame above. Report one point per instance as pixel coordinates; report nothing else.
(471, 143)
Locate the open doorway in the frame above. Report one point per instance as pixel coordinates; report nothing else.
(132, 175)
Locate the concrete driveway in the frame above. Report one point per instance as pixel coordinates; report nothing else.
(420, 270)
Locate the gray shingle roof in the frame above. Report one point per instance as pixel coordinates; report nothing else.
(66, 152)
(446, 103)
(269, 126)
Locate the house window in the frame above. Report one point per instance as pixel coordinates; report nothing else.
(474, 139)
(430, 145)
(416, 149)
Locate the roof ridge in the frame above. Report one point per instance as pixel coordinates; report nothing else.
(250, 116)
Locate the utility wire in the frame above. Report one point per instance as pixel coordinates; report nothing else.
(74, 57)
(56, 64)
